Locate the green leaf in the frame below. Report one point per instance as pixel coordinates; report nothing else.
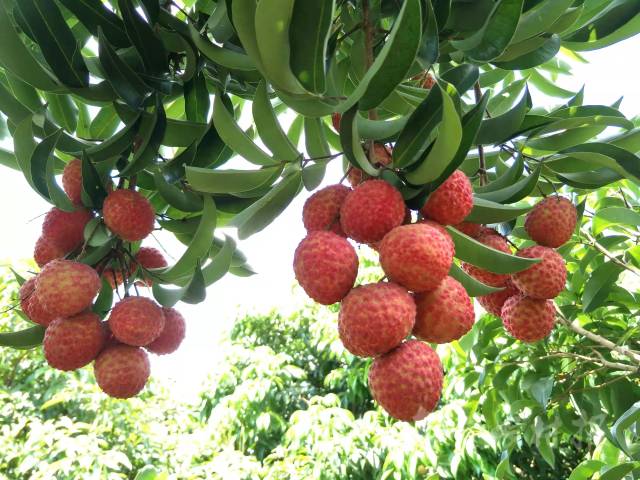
(8, 159)
(514, 192)
(595, 41)
(183, 200)
(541, 390)
(194, 290)
(261, 213)
(600, 283)
(545, 52)
(380, 129)
(485, 212)
(625, 423)
(474, 287)
(220, 55)
(220, 262)
(196, 99)
(351, 144)
(463, 77)
(505, 180)
(55, 39)
(152, 131)
(231, 181)
(93, 186)
(103, 303)
(549, 87)
(308, 36)
(608, 217)
(94, 15)
(116, 144)
(104, 124)
(243, 13)
(63, 111)
(476, 253)
(607, 155)
(24, 339)
(269, 128)
(501, 128)
(543, 442)
(540, 18)
(429, 49)
(619, 471)
(23, 146)
(586, 470)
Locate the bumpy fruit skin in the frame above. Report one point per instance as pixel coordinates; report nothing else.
(493, 302)
(122, 371)
(472, 230)
(407, 381)
(443, 231)
(326, 266)
(72, 181)
(321, 211)
(66, 229)
(149, 257)
(528, 319)
(335, 121)
(452, 201)
(543, 280)
(444, 314)
(65, 288)
(552, 221)
(416, 256)
(497, 242)
(114, 277)
(31, 306)
(372, 210)
(375, 318)
(136, 321)
(172, 333)
(72, 343)
(46, 250)
(128, 214)
(381, 158)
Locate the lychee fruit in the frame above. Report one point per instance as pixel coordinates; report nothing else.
(122, 371)
(497, 242)
(71, 343)
(128, 214)
(136, 321)
(321, 211)
(375, 318)
(443, 231)
(493, 302)
(372, 210)
(543, 280)
(451, 202)
(417, 256)
(172, 333)
(65, 288)
(552, 221)
(444, 314)
(66, 229)
(428, 82)
(472, 230)
(72, 181)
(335, 121)
(407, 381)
(150, 258)
(326, 266)
(46, 250)
(528, 319)
(381, 158)
(31, 306)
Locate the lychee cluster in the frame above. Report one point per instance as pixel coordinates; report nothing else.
(418, 297)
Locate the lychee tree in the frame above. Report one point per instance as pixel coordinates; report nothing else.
(426, 102)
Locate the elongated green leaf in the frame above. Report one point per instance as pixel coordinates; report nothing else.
(220, 262)
(619, 472)
(430, 48)
(104, 124)
(504, 181)
(548, 87)
(177, 197)
(143, 38)
(8, 159)
(269, 128)
(595, 41)
(152, 131)
(315, 139)
(540, 18)
(220, 55)
(611, 216)
(196, 97)
(93, 186)
(380, 129)
(514, 192)
(473, 287)
(485, 211)
(463, 77)
(23, 92)
(615, 158)
(193, 291)
(243, 13)
(351, 145)
(115, 145)
(501, 128)
(94, 15)
(586, 469)
(600, 283)
(545, 52)
(63, 111)
(24, 339)
(23, 146)
(103, 303)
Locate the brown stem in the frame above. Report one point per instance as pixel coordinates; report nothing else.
(594, 243)
(369, 31)
(483, 167)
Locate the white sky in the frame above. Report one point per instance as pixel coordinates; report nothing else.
(610, 74)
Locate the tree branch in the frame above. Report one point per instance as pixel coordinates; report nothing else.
(483, 167)
(594, 243)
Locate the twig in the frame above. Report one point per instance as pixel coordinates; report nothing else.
(483, 167)
(594, 243)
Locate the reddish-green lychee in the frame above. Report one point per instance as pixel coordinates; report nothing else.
(375, 318)
(172, 333)
(452, 201)
(46, 250)
(444, 314)
(128, 214)
(472, 230)
(493, 302)
(30, 305)
(326, 266)
(321, 211)
(122, 371)
(381, 158)
(136, 321)
(407, 381)
(528, 319)
(372, 210)
(552, 221)
(543, 280)
(72, 180)
(71, 343)
(497, 242)
(417, 256)
(66, 229)
(65, 288)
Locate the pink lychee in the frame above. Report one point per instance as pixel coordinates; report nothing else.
(46, 250)
(552, 221)
(128, 214)
(528, 319)
(72, 181)
(136, 321)
(30, 305)
(172, 334)
(493, 302)
(543, 280)
(122, 371)
(321, 211)
(66, 229)
(71, 343)
(452, 201)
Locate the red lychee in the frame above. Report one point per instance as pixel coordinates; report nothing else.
(335, 121)
(65, 288)
(543, 280)
(371, 211)
(72, 343)
(172, 333)
(128, 214)
(552, 221)
(443, 231)
(407, 381)
(528, 319)
(72, 181)
(452, 201)
(326, 266)
(150, 258)
(444, 314)
(497, 242)
(31, 306)
(66, 229)
(381, 158)
(375, 318)
(417, 256)
(113, 276)
(493, 302)
(136, 321)
(46, 250)
(321, 211)
(122, 371)
(472, 230)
